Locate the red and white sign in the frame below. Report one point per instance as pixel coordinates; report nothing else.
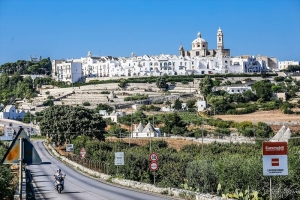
(153, 166)
(275, 159)
(153, 157)
(82, 152)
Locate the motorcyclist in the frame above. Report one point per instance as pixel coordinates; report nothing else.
(58, 174)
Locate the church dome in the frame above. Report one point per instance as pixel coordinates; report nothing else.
(199, 39)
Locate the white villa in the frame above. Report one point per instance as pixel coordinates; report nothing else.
(198, 60)
(147, 131)
(10, 112)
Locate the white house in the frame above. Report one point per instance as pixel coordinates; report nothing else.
(238, 89)
(113, 116)
(246, 64)
(66, 71)
(10, 112)
(147, 131)
(284, 64)
(201, 105)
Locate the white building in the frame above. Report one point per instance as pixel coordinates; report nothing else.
(246, 64)
(201, 105)
(113, 116)
(10, 112)
(284, 64)
(147, 131)
(199, 60)
(66, 71)
(238, 89)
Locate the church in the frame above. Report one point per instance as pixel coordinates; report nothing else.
(200, 47)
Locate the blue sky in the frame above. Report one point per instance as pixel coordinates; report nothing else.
(70, 28)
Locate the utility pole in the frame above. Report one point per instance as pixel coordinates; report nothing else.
(202, 136)
(30, 121)
(20, 168)
(131, 128)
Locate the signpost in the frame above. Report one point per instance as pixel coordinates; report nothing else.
(153, 157)
(21, 151)
(275, 161)
(9, 131)
(69, 147)
(154, 164)
(82, 152)
(119, 158)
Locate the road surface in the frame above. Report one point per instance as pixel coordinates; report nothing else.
(77, 186)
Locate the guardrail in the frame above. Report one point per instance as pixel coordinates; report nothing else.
(23, 194)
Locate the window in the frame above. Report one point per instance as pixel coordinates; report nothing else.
(225, 61)
(197, 53)
(137, 134)
(219, 39)
(232, 90)
(238, 90)
(203, 46)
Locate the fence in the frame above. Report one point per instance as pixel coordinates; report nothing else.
(99, 166)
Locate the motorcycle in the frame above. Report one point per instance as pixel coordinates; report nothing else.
(59, 183)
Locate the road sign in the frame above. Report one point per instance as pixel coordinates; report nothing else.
(275, 159)
(82, 152)
(153, 157)
(69, 147)
(9, 131)
(153, 166)
(30, 155)
(119, 158)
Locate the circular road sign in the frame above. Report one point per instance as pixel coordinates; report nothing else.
(153, 166)
(153, 157)
(82, 152)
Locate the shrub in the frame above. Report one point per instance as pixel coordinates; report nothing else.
(48, 102)
(86, 103)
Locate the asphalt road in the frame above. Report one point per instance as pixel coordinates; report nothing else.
(77, 186)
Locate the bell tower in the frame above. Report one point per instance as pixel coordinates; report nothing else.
(220, 43)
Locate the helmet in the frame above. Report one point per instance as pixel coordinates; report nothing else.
(58, 170)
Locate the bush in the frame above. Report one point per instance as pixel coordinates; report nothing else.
(48, 102)
(225, 131)
(86, 103)
(50, 97)
(184, 82)
(279, 78)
